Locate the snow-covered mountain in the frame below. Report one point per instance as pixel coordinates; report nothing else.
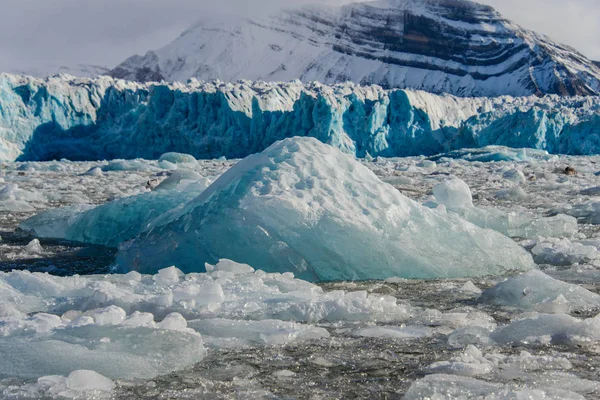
(45, 70)
(441, 46)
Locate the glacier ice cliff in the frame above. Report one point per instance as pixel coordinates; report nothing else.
(105, 118)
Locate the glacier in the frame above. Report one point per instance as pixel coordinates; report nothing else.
(105, 118)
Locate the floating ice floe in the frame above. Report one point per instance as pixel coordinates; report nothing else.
(536, 291)
(178, 158)
(545, 329)
(441, 386)
(140, 326)
(587, 212)
(305, 207)
(536, 375)
(80, 384)
(563, 252)
(15, 199)
(456, 196)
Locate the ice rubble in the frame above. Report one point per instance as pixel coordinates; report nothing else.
(133, 325)
(455, 196)
(304, 207)
(442, 386)
(104, 118)
(80, 384)
(537, 378)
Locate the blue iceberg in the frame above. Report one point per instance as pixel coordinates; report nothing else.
(304, 207)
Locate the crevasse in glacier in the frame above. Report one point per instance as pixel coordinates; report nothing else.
(104, 118)
(304, 207)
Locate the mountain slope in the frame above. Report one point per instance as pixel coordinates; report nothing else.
(442, 46)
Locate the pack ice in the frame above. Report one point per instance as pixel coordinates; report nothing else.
(304, 207)
(141, 326)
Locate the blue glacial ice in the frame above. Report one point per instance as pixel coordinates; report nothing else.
(117, 221)
(103, 118)
(304, 207)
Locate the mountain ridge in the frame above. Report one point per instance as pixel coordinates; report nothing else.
(442, 46)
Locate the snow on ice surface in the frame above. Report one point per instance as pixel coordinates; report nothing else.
(304, 207)
(104, 118)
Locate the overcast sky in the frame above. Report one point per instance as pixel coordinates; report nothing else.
(105, 32)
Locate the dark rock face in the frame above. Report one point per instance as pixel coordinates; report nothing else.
(442, 46)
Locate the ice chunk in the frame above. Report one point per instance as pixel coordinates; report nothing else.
(513, 194)
(454, 193)
(549, 329)
(112, 350)
(267, 332)
(563, 252)
(536, 291)
(80, 384)
(168, 276)
(84, 380)
(15, 199)
(182, 175)
(178, 158)
(174, 322)
(304, 207)
(228, 265)
(228, 293)
(587, 212)
(94, 171)
(515, 176)
(128, 165)
(34, 247)
(395, 332)
(442, 386)
(109, 316)
(470, 363)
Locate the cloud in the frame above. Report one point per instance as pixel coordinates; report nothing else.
(106, 32)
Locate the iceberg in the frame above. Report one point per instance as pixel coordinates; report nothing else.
(107, 119)
(304, 207)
